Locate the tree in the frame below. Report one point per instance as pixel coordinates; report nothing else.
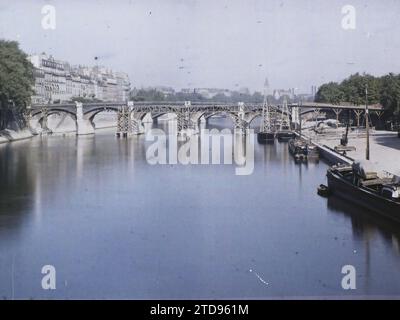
(354, 89)
(331, 92)
(147, 95)
(390, 93)
(16, 82)
(351, 90)
(81, 99)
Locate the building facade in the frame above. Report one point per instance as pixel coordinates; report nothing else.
(58, 81)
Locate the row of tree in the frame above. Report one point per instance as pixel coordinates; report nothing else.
(16, 83)
(153, 94)
(156, 95)
(384, 90)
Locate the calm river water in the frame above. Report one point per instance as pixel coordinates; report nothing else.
(115, 226)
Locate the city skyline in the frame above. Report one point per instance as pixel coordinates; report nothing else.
(273, 91)
(58, 80)
(171, 44)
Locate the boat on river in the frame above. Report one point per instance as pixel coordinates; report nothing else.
(302, 150)
(312, 151)
(298, 149)
(266, 137)
(378, 192)
(285, 135)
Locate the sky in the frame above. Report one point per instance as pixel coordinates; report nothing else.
(214, 43)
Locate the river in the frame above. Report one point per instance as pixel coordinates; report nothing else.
(115, 226)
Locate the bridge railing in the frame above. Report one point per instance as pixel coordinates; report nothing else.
(196, 105)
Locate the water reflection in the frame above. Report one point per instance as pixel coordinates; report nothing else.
(366, 224)
(15, 197)
(116, 226)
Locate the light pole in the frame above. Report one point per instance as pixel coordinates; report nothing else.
(367, 121)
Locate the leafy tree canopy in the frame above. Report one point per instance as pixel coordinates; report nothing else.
(16, 80)
(384, 90)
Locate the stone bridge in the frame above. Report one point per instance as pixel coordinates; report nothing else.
(188, 115)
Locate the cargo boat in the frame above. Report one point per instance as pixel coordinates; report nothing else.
(266, 137)
(285, 135)
(302, 150)
(298, 148)
(380, 194)
(312, 151)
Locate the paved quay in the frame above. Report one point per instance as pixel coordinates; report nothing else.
(384, 146)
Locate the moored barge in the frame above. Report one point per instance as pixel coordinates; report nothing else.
(266, 137)
(285, 135)
(298, 148)
(378, 193)
(302, 150)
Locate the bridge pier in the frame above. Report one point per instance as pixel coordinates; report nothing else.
(83, 126)
(123, 122)
(182, 123)
(185, 124)
(240, 123)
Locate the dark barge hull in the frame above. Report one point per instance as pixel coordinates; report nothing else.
(297, 152)
(364, 198)
(266, 137)
(285, 135)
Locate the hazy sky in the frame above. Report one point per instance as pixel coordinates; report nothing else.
(212, 43)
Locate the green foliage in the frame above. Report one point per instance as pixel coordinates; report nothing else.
(147, 95)
(155, 95)
(16, 81)
(390, 93)
(384, 90)
(354, 89)
(331, 93)
(82, 99)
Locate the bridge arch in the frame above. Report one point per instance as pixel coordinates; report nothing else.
(54, 111)
(37, 117)
(160, 114)
(208, 115)
(254, 116)
(94, 112)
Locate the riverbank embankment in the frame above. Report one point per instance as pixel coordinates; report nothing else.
(12, 135)
(384, 146)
